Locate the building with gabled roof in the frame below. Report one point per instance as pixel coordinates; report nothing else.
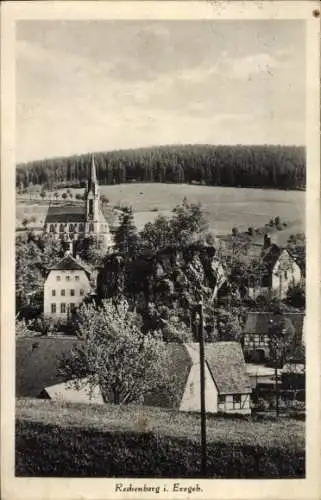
(227, 385)
(72, 223)
(279, 271)
(66, 286)
(257, 330)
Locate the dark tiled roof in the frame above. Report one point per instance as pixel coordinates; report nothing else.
(37, 363)
(224, 359)
(260, 322)
(65, 214)
(179, 365)
(271, 255)
(227, 366)
(68, 263)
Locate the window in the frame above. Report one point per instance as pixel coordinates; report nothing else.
(285, 275)
(236, 400)
(72, 307)
(63, 292)
(91, 228)
(72, 293)
(61, 228)
(62, 308)
(58, 278)
(67, 278)
(191, 388)
(53, 308)
(77, 277)
(221, 399)
(53, 293)
(81, 292)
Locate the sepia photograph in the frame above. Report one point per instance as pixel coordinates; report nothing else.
(160, 250)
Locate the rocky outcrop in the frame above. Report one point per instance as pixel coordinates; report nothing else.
(173, 275)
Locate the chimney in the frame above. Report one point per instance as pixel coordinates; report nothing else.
(267, 241)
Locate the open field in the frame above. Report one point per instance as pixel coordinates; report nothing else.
(55, 439)
(224, 207)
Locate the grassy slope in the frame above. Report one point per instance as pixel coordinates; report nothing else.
(162, 422)
(224, 207)
(89, 441)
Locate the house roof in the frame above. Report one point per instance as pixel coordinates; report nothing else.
(66, 214)
(37, 363)
(179, 365)
(225, 362)
(227, 366)
(68, 263)
(38, 360)
(271, 255)
(260, 322)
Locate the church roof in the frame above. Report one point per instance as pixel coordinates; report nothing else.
(66, 214)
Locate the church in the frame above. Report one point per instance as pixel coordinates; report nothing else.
(72, 223)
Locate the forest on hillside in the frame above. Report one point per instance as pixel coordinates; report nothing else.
(266, 166)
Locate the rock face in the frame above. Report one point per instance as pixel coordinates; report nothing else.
(173, 275)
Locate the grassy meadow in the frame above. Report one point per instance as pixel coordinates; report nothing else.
(160, 421)
(224, 207)
(60, 439)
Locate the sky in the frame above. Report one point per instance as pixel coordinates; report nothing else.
(86, 86)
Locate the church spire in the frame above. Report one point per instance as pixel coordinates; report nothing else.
(92, 179)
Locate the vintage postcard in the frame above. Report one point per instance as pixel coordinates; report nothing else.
(160, 250)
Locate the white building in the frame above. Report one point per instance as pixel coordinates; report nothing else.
(66, 286)
(279, 271)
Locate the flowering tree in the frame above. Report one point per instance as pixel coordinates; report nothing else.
(114, 354)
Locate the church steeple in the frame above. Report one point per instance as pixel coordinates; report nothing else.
(92, 197)
(92, 178)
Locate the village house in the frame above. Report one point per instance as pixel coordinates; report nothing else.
(257, 332)
(71, 223)
(279, 271)
(227, 385)
(66, 286)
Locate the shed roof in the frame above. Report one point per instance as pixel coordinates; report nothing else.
(66, 214)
